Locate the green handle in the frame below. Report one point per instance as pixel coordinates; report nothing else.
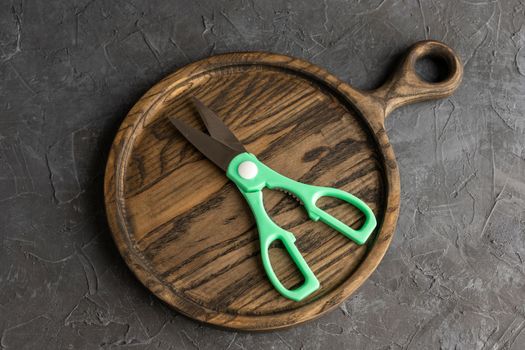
(251, 176)
(359, 236)
(269, 232)
(307, 194)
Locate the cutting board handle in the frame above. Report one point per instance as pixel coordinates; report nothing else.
(406, 86)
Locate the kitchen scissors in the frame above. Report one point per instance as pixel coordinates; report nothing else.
(251, 176)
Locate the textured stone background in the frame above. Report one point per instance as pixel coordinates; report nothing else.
(69, 72)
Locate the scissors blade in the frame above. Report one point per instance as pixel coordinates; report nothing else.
(217, 129)
(214, 150)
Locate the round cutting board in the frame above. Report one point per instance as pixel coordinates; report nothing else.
(185, 230)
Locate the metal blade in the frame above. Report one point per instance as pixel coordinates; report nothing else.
(215, 151)
(217, 129)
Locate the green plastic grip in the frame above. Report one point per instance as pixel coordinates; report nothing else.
(269, 232)
(258, 176)
(359, 236)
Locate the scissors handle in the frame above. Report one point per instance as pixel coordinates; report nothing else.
(270, 232)
(359, 236)
(251, 176)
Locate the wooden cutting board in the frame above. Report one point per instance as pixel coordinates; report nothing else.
(185, 230)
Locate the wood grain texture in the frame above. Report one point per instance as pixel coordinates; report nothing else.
(187, 233)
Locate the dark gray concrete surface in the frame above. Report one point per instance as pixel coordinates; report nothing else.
(454, 277)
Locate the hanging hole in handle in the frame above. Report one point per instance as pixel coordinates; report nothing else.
(433, 68)
(435, 63)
